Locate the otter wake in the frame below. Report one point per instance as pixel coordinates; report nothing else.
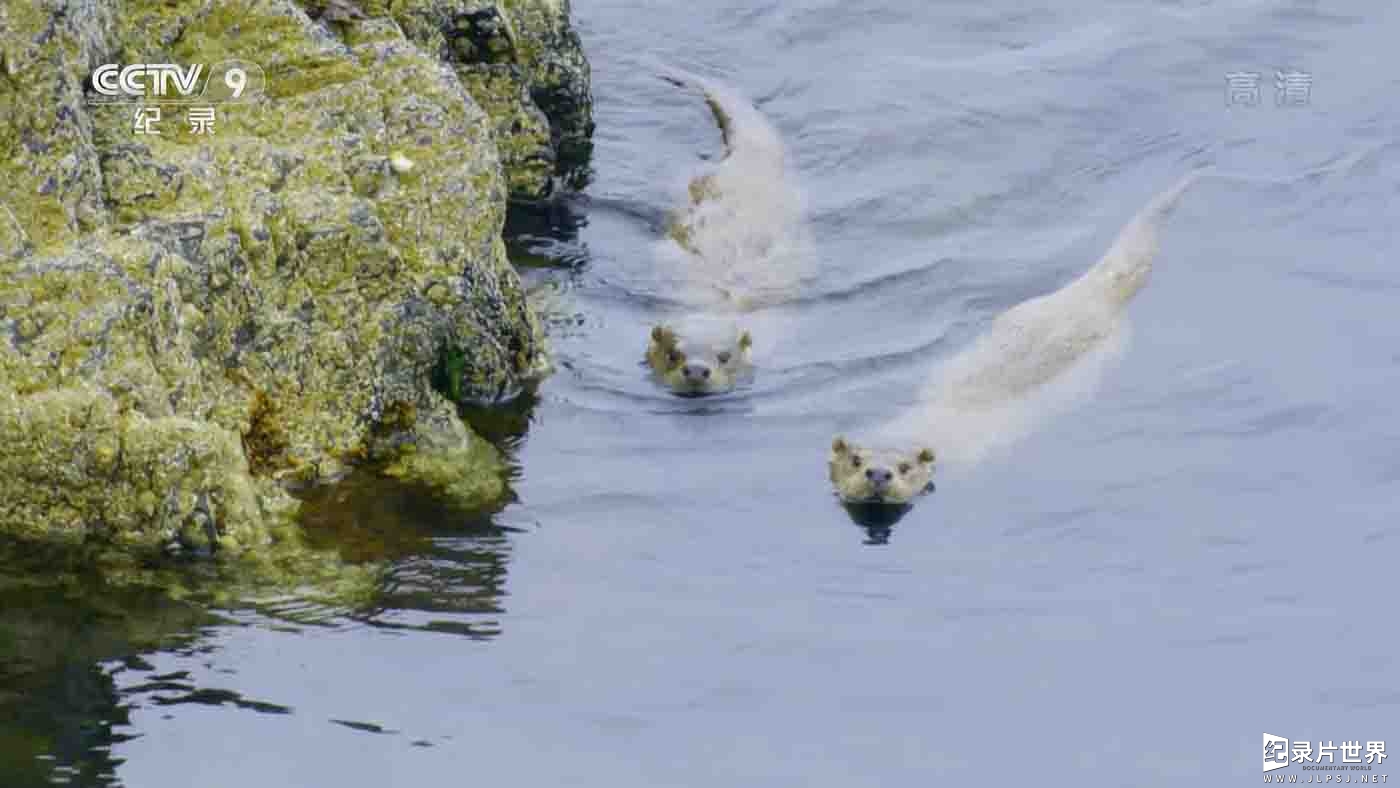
(739, 243)
(1041, 355)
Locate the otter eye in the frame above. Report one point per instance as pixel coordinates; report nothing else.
(857, 462)
(904, 467)
(724, 357)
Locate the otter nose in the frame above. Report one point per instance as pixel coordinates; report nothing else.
(696, 371)
(879, 476)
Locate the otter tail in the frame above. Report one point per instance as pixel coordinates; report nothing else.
(742, 127)
(1128, 262)
(1151, 216)
(722, 117)
(1136, 245)
(1163, 204)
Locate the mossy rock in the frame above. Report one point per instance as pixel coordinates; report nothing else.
(523, 62)
(190, 322)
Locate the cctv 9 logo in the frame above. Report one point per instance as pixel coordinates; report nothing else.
(225, 82)
(234, 80)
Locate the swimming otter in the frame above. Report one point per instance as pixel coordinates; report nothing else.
(694, 364)
(739, 237)
(971, 402)
(879, 476)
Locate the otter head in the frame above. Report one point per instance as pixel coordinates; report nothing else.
(879, 476)
(694, 365)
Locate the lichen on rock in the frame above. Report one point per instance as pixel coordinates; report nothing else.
(524, 64)
(77, 464)
(190, 321)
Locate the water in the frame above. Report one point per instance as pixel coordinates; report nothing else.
(1197, 552)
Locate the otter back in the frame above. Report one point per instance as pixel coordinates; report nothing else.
(980, 398)
(741, 224)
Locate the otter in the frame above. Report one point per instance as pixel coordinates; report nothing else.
(972, 401)
(697, 363)
(739, 242)
(879, 476)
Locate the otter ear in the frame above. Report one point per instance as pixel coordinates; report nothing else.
(745, 341)
(926, 456)
(839, 445)
(663, 336)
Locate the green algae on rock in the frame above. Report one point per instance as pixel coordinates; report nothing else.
(435, 451)
(524, 64)
(187, 320)
(76, 463)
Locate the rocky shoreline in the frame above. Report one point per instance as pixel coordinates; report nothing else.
(191, 323)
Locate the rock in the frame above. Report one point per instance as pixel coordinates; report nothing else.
(50, 181)
(523, 62)
(188, 321)
(560, 81)
(157, 474)
(335, 11)
(436, 458)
